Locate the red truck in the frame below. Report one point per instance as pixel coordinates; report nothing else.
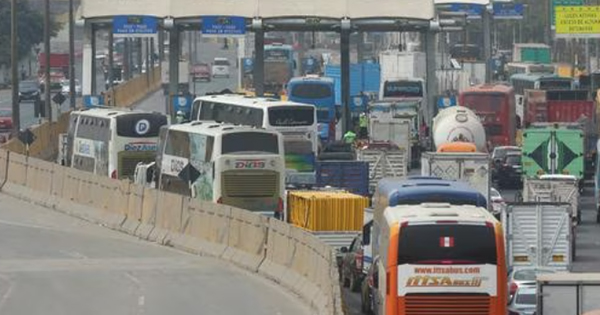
(59, 69)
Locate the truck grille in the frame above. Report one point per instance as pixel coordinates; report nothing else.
(250, 183)
(437, 304)
(129, 160)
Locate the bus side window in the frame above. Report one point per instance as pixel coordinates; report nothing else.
(366, 239)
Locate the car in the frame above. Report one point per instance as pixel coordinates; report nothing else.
(201, 72)
(6, 122)
(351, 269)
(510, 171)
(498, 155)
(29, 91)
(498, 202)
(369, 298)
(66, 87)
(524, 301)
(220, 67)
(524, 276)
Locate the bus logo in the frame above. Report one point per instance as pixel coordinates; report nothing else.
(250, 164)
(443, 281)
(141, 146)
(142, 127)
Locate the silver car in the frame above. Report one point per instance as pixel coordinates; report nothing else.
(524, 301)
(523, 277)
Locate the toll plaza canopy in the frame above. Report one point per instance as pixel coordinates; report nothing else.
(334, 9)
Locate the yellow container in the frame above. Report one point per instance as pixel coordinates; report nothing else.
(326, 210)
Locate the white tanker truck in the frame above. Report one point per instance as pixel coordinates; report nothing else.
(459, 125)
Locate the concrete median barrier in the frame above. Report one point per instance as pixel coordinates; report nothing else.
(3, 166)
(247, 239)
(278, 251)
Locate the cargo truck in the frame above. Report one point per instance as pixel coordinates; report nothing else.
(568, 294)
(554, 188)
(364, 79)
(385, 160)
(553, 149)
(539, 234)
(336, 217)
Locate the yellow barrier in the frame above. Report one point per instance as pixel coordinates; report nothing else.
(327, 211)
(134, 90)
(45, 146)
(288, 255)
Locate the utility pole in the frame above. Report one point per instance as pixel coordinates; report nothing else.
(72, 56)
(47, 100)
(14, 65)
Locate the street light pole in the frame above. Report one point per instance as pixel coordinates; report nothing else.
(14, 64)
(47, 101)
(72, 56)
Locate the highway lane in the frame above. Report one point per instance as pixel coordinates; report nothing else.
(54, 264)
(207, 51)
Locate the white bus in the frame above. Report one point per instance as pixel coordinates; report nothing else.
(110, 141)
(524, 67)
(239, 166)
(296, 121)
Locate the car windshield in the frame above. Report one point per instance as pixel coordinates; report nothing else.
(4, 112)
(513, 159)
(529, 274)
(28, 85)
(222, 62)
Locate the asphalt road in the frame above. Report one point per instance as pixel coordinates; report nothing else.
(57, 265)
(207, 51)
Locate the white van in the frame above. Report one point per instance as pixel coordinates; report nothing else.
(220, 67)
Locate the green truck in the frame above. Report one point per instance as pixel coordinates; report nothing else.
(553, 150)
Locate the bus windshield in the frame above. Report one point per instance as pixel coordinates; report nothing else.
(403, 89)
(234, 143)
(555, 84)
(311, 91)
(290, 116)
(274, 54)
(447, 244)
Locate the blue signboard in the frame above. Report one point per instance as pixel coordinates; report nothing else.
(473, 11)
(225, 26)
(182, 103)
(248, 65)
(508, 11)
(134, 26)
(90, 101)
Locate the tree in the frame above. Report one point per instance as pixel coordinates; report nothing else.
(30, 28)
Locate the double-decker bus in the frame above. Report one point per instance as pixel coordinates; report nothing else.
(111, 142)
(437, 257)
(296, 121)
(240, 166)
(527, 68)
(495, 105)
(319, 91)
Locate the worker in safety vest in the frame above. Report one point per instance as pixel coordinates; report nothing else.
(349, 137)
(180, 117)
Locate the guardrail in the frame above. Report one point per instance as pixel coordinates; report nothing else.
(285, 254)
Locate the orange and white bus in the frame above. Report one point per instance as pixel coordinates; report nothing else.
(440, 259)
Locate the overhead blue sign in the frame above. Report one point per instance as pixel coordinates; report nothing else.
(473, 11)
(134, 26)
(90, 101)
(508, 11)
(223, 26)
(446, 101)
